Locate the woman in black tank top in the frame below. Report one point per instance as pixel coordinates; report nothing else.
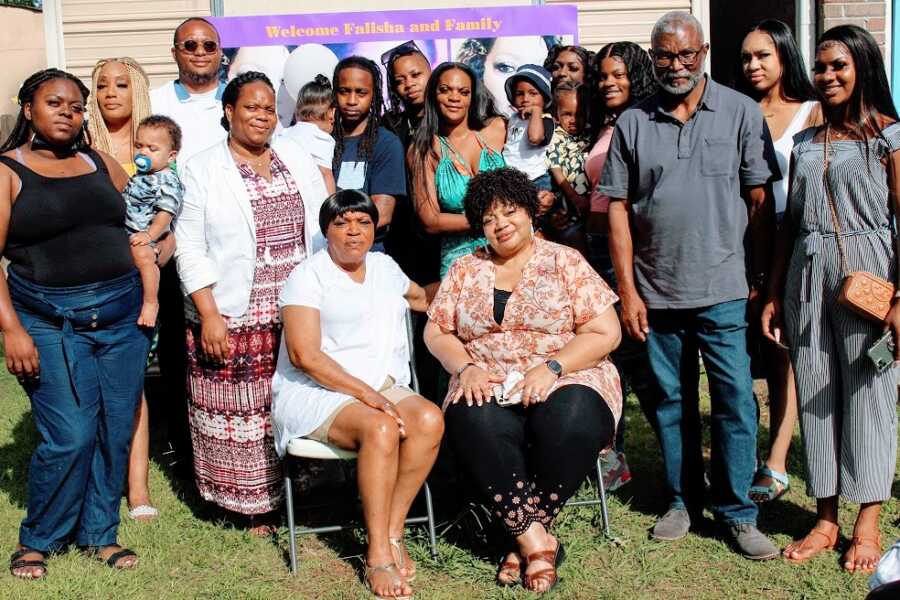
(68, 312)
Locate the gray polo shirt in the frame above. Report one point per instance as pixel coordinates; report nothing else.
(683, 181)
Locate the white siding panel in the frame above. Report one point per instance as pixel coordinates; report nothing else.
(603, 21)
(141, 29)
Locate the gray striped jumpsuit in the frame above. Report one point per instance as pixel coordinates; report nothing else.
(848, 412)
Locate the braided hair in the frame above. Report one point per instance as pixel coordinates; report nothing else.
(22, 130)
(233, 91)
(373, 119)
(640, 76)
(140, 101)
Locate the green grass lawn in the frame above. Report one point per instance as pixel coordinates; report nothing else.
(191, 553)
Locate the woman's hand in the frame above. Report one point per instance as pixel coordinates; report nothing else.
(214, 338)
(477, 385)
(771, 319)
(535, 385)
(140, 238)
(892, 322)
(379, 402)
(21, 354)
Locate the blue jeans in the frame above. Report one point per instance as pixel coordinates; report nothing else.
(720, 333)
(92, 358)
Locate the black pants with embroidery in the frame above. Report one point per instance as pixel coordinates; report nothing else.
(527, 462)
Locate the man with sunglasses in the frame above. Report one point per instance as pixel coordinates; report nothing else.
(689, 172)
(194, 100)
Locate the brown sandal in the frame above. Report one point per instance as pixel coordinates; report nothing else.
(857, 542)
(512, 571)
(807, 543)
(553, 557)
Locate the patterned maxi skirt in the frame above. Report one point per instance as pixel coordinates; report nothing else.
(235, 463)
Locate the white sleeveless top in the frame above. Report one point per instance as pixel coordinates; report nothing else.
(783, 147)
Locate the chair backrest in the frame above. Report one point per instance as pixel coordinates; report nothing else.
(411, 347)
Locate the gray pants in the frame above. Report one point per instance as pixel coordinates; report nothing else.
(848, 411)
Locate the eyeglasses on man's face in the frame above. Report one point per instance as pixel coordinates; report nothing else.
(190, 46)
(687, 57)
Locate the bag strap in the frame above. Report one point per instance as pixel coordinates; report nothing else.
(831, 203)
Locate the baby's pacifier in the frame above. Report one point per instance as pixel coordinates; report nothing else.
(143, 163)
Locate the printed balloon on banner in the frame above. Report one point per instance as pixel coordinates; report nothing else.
(304, 63)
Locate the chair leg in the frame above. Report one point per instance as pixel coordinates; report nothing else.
(289, 505)
(601, 492)
(432, 534)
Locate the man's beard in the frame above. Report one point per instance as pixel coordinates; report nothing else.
(665, 79)
(200, 78)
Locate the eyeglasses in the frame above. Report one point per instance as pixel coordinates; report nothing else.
(687, 57)
(405, 48)
(190, 46)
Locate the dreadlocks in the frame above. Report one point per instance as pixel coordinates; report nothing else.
(140, 101)
(22, 131)
(373, 119)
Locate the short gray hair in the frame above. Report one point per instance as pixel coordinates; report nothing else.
(675, 21)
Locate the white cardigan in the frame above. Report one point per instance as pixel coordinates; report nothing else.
(215, 233)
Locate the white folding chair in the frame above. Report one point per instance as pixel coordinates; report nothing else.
(311, 449)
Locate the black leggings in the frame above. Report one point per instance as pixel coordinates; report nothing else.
(527, 462)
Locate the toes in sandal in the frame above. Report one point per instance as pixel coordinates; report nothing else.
(553, 557)
(16, 561)
(399, 555)
(859, 541)
(512, 572)
(112, 561)
(390, 569)
(813, 544)
(781, 483)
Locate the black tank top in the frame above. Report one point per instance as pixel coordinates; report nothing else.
(67, 231)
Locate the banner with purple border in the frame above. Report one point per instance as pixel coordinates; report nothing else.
(494, 42)
(445, 23)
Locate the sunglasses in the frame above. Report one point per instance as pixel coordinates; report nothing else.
(405, 48)
(190, 46)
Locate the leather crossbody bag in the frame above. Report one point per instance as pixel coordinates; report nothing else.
(862, 292)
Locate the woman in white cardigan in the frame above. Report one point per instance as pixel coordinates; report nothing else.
(250, 215)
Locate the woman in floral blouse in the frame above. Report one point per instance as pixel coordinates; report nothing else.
(530, 308)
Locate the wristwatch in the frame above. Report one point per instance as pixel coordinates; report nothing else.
(554, 367)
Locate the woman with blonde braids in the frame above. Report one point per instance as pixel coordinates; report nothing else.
(119, 101)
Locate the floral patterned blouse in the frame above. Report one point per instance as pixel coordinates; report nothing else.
(558, 291)
(569, 153)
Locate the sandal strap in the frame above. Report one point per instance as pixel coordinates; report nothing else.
(395, 544)
(831, 539)
(778, 476)
(548, 556)
(385, 567)
(18, 554)
(22, 563)
(115, 557)
(859, 540)
(548, 575)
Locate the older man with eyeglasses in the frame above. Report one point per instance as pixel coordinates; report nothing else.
(689, 172)
(194, 100)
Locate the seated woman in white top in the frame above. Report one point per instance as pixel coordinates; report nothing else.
(342, 374)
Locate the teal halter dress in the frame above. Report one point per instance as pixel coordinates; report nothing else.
(451, 186)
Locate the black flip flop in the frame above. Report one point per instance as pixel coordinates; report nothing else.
(112, 559)
(17, 562)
